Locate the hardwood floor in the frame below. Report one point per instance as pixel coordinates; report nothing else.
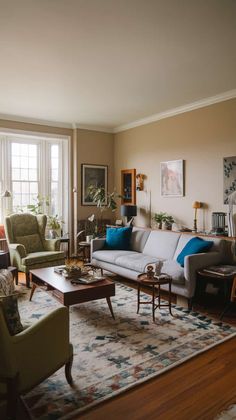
(196, 390)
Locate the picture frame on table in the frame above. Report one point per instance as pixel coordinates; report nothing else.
(92, 175)
(172, 178)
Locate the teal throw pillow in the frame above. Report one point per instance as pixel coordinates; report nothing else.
(118, 238)
(194, 246)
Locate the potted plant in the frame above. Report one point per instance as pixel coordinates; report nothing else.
(167, 222)
(54, 225)
(159, 218)
(163, 220)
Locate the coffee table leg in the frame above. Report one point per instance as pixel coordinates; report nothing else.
(170, 299)
(32, 290)
(110, 307)
(153, 303)
(138, 299)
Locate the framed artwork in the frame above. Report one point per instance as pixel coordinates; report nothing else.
(95, 175)
(172, 178)
(229, 176)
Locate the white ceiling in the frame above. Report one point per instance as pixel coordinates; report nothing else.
(111, 62)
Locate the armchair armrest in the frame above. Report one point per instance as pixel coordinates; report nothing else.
(51, 244)
(97, 244)
(195, 262)
(19, 249)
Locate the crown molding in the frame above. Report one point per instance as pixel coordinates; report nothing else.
(231, 94)
(19, 119)
(94, 128)
(225, 96)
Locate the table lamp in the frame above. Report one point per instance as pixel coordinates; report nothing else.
(196, 205)
(129, 212)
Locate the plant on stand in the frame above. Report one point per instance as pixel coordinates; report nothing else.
(103, 201)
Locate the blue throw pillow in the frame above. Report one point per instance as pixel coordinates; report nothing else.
(194, 246)
(118, 238)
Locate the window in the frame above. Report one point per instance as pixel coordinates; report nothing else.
(32, 166)
(24, 174)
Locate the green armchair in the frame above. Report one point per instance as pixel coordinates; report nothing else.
(28, 247)
(25, 361)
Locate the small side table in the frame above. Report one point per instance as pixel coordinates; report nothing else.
(225, 278)
(155, 283)
(85, 248)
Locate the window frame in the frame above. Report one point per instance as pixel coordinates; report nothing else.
(44, 143)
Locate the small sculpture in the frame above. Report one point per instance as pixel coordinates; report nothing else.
(150, 272)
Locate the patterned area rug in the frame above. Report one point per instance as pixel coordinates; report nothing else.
(112, 356)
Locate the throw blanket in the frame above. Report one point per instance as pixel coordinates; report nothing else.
(6, 283)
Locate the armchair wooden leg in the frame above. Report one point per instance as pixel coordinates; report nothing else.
(27, 276)
(12, 397)
(68, 367)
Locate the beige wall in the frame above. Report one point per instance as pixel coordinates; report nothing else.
(202, 138)
(94, 147)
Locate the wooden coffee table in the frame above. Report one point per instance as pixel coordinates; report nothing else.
(70, 294)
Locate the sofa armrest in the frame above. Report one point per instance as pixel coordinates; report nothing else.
(97, 244)
(17, 249)
(51, 244)
(193, 263)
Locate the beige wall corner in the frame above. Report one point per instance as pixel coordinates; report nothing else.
(201, 138)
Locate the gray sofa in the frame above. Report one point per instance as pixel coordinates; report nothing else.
(151, 246)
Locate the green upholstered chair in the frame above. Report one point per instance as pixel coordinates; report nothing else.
(31, 356)
(28, 247)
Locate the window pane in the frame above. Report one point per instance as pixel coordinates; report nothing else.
(15, 162)
(25, 187)
(32, 174)
(24, 175)
(54, 151)
(33, 188)
(32, 150)
(54, 175)
(24, 169)
(33, 162)
(15, 149)
(24, 162)
(15, 174)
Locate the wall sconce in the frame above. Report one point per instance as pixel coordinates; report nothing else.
(196, 205)
(139, 182)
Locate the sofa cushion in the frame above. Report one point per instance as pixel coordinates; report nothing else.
(138, 239)
(109, 255)
(42, 257)
(174, 269)
(161, 244)
(136, 261)
(118, 238)
(32, 243)
(194, 246)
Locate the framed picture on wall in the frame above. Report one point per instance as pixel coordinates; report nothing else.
(172, 178)
(92, 175)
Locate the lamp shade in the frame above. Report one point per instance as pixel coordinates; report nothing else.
(196, 205)
(128, 211)
(6, 194)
